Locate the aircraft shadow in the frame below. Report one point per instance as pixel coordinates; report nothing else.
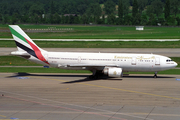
(22, 74)
(88, 80)
(79, 81)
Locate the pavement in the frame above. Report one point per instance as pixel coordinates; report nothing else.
(170, 52)
(30, 96)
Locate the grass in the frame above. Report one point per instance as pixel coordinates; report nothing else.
(170, 72)
(98, 44)
(15, 61)
(177, 60)
(98, 32)
(106, 32)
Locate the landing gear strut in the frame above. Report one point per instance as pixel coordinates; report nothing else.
(96, 74)
(155, 75)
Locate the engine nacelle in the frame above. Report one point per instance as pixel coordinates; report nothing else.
(113, 72)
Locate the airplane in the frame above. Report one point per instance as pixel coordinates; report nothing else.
(109, 64)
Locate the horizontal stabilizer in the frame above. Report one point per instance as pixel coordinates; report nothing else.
(20, 53)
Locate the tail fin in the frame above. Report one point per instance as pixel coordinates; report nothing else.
(24, 43)
(21, 38)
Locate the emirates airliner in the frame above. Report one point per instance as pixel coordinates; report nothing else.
(110, 64)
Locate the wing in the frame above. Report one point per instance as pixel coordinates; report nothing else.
(90, 66)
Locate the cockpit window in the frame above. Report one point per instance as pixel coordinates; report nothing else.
(169, 60)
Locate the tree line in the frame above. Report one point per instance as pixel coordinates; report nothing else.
(112, 12)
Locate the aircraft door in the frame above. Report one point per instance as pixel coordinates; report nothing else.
(79, 59)
(133, 62)
(157, 61)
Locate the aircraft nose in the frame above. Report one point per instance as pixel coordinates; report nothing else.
(175, 64)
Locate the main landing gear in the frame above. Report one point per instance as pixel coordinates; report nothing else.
(96, 74)
(155, 75)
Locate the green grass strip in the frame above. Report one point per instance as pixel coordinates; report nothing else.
(170, 72)
(16, 61)
(102, 32)
(96, 32)
(98, 44)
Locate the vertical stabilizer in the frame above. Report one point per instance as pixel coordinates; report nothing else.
(24, 43)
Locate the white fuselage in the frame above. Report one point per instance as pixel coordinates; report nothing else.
(90, 61)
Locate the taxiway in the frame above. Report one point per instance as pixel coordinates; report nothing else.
(75, 97)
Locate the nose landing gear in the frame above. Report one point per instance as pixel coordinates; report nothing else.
(155, 75)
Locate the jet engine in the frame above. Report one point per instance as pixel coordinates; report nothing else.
(113, 71)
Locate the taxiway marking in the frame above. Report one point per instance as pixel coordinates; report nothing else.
(2, 116)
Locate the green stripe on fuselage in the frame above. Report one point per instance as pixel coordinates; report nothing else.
(17, 34)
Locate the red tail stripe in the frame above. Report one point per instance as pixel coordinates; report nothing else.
(37, 52)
